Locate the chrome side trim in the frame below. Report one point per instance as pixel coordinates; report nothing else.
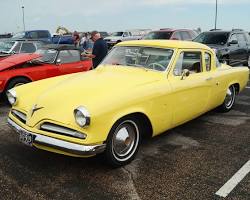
(19, 114)
(61, 130)
(68, 147)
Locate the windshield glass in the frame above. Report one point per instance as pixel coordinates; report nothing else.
(5, 46)
(19, 35)
(212, 38)
(47, 55)
(117, 34)
(146, 57)
(158, 35)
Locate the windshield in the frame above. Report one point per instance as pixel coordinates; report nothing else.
(158, 35)
(47, 55)
(5, 46)
(146, 57)
(117, 34)
(212, 38)
(19, 35)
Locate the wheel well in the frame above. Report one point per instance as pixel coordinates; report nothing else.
(147, 129)
(237, 87)
(13, 78)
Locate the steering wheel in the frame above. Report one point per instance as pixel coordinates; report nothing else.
(156, 65)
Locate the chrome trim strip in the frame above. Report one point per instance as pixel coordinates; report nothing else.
(77, 149)
(61, 130)
(19, 114)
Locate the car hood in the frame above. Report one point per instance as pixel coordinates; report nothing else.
(16, 59)
(104, 87)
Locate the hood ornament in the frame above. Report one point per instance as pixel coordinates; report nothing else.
(34, 109)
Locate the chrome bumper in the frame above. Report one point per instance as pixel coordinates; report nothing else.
(72, 148)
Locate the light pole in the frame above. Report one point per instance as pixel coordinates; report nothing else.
(23, 18)
(216, 10)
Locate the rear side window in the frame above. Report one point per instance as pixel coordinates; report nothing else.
(28, 48)
(176, 36)
(188, 60)
(185, 35)
(43, 34)
(208, 61)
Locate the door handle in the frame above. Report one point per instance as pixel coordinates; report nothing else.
(209, 79)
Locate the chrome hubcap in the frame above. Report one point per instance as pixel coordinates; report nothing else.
(125, 139)
(229, 97)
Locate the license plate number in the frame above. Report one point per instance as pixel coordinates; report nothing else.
(26, 138)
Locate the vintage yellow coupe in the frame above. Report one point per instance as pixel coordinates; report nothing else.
(141, 89)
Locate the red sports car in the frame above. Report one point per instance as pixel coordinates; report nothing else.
(50, 61)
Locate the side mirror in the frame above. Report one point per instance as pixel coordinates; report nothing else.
(233, 42)
(185, 73)
(58, 61)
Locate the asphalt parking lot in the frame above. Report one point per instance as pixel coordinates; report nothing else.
(192, 161)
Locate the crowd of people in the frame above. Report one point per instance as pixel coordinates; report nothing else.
(92, 45)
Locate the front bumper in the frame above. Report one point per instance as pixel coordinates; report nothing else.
(63, 146)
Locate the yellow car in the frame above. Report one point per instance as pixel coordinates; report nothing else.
(141, 89)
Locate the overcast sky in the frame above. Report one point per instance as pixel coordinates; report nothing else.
(115, 15)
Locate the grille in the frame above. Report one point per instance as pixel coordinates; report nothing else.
(19, 115)
(54, 128)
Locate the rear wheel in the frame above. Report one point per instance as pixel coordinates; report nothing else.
(229, 99)
(123, 142)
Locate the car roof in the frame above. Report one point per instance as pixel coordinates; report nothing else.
(20, 40)
(170, 30)
(165, 44)
(60, 47)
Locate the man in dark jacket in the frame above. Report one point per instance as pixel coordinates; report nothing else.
(100, 49)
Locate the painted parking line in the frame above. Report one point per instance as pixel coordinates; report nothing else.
(234, 181)
(248, 87)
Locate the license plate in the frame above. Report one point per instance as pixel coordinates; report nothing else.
(26, 138)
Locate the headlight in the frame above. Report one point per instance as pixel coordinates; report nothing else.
(82, 116)
(11, 95)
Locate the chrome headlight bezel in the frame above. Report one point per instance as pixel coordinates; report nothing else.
(12, 98)
(82, 116)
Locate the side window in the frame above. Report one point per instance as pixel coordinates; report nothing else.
(43, 34)
(125, 34)
(68, 56)
(208, 61)
(185, 35)
(188, 60)
(241, 38)
(17, 47)
(27, 48)
(176, 36)
(233, 38)
(33, 35)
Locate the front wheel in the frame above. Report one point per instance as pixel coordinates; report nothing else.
(229, 99)
(123, 142)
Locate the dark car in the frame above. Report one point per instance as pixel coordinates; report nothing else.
(9, 47)
(231, 47)
(171, 34)
(42, 35)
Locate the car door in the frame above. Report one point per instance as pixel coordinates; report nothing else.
(190, 93)
(69, 61)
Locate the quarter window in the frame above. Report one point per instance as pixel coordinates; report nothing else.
(188, 60)
(208, 61)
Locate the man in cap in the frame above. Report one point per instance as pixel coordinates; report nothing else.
(100, 49)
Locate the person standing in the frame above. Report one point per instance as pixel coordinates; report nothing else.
(100, 49)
